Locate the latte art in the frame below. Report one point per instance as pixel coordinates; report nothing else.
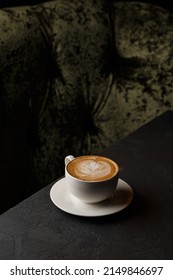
(92, 168)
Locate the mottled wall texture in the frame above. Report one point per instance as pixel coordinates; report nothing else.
(76, 76)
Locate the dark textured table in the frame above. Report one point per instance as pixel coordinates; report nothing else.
(37, 229)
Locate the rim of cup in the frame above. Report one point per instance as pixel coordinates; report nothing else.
(93, 181)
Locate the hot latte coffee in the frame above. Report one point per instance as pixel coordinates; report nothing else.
(92, 168)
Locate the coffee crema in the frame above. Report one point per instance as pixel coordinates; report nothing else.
(92, 168)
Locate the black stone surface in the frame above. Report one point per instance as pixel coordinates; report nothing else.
(37, 229)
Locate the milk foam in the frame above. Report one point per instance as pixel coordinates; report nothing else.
(93, 169)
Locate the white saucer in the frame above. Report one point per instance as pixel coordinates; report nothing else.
(64, 200)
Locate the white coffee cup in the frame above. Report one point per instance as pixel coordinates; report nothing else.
(91, 189)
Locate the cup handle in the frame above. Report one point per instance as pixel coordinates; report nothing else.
(68, 159)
